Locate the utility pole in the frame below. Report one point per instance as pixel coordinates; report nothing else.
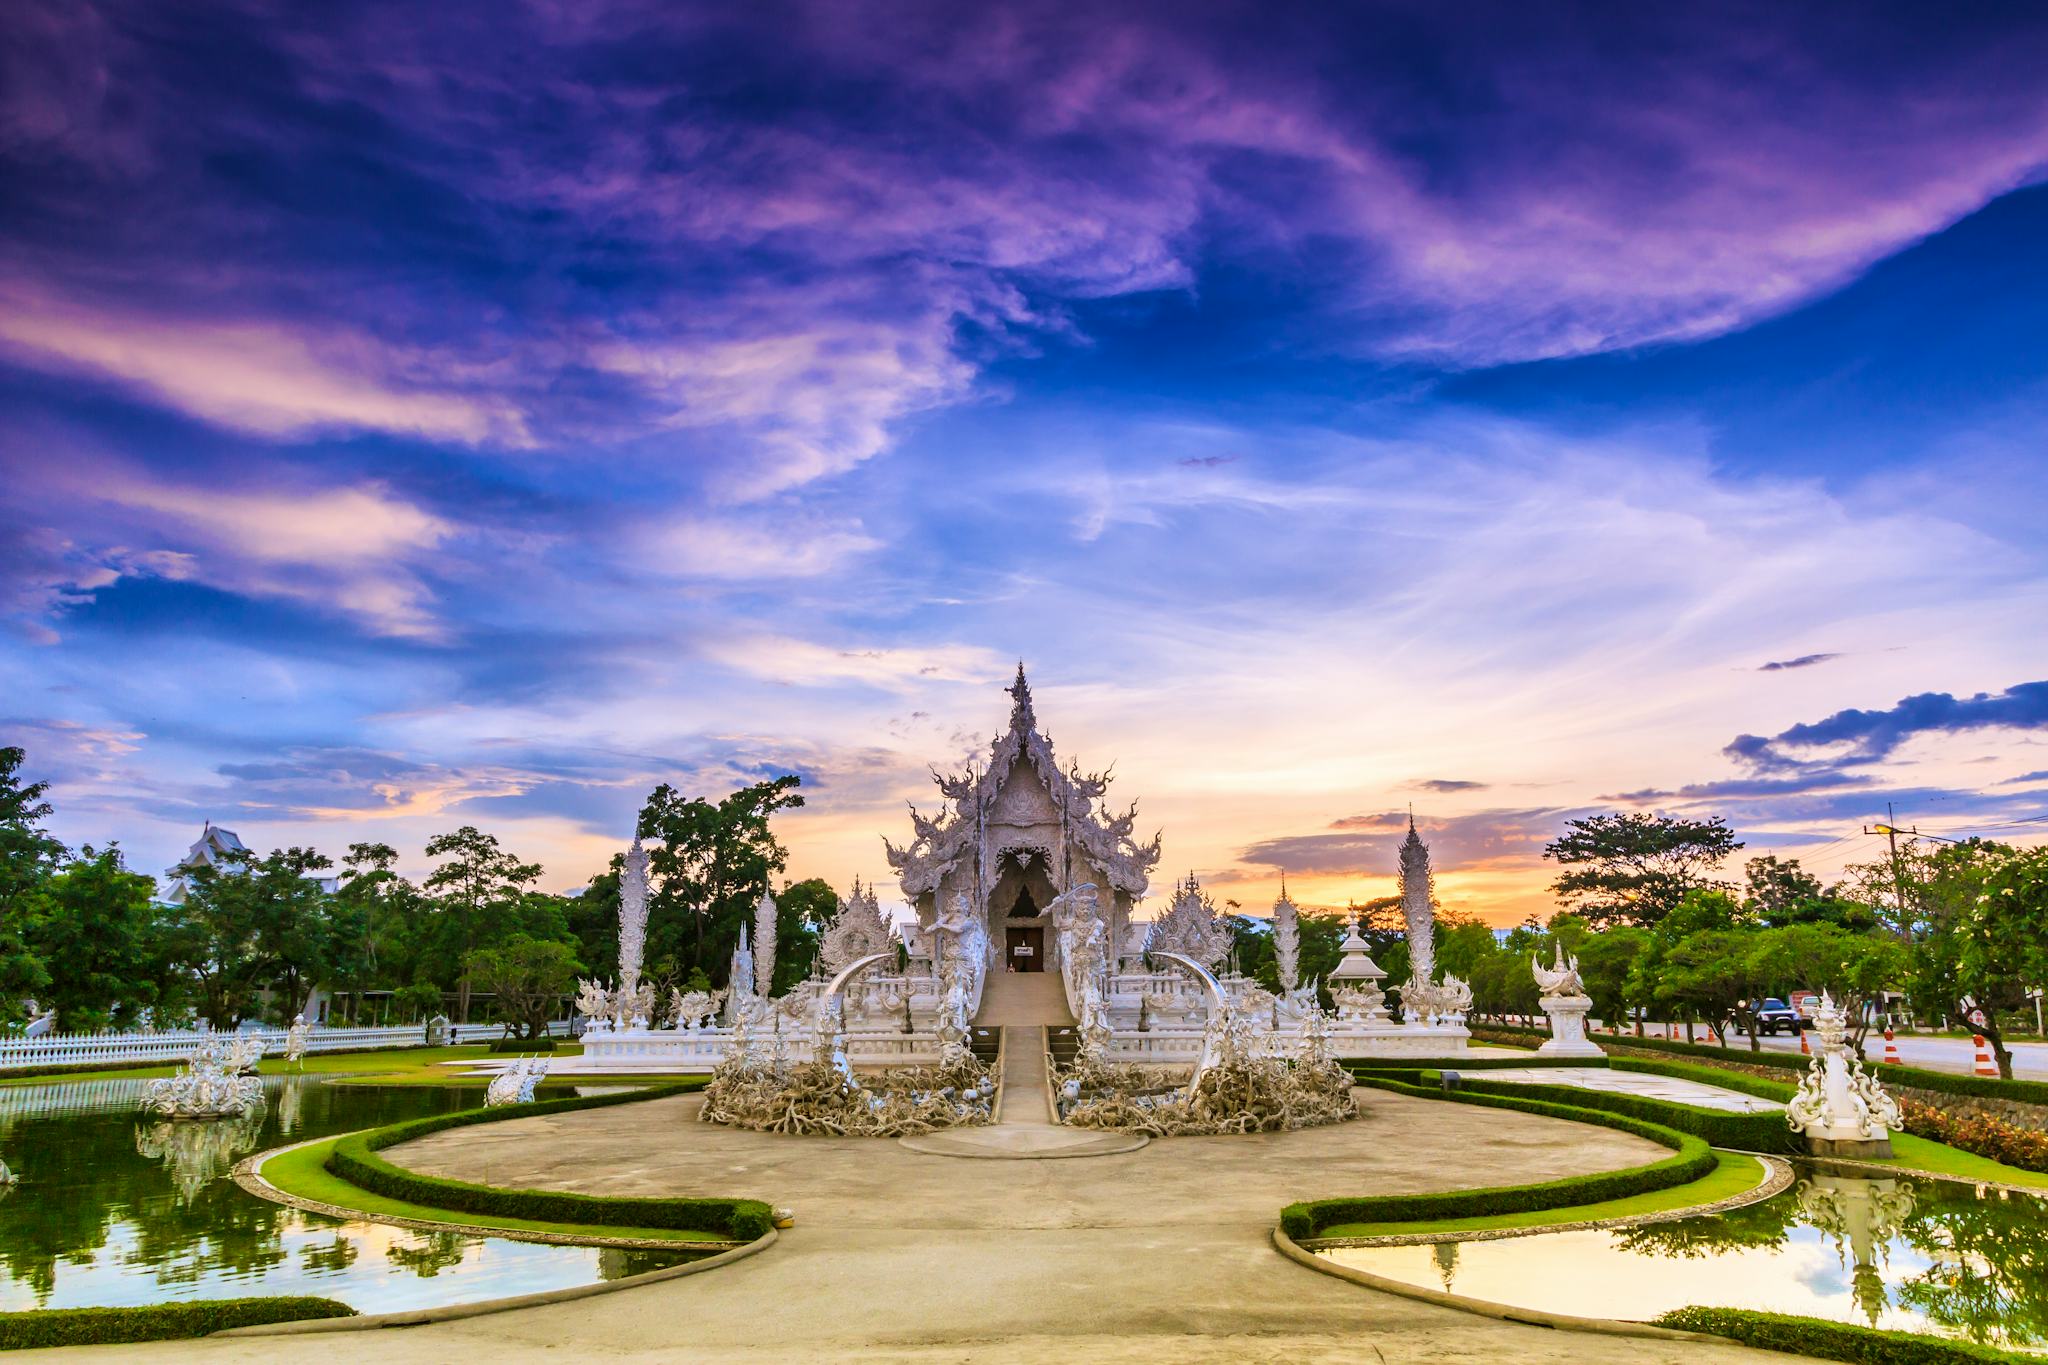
(1890, 830)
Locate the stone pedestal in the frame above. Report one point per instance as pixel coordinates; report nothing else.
(1568, 1027)
(1855, 1148)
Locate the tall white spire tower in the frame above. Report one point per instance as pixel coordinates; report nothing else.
(1418, 905)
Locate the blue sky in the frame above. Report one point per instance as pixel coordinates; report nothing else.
(413, 417)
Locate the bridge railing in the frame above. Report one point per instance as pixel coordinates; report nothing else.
(144, 1047)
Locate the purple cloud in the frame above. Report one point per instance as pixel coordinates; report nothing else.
(1369, 845)
(1854, 737)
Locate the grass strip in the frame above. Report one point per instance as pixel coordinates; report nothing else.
(156, 1321)
(1733, 1174)
(1692, 1160)
(302, 1171)
(1925, 1154)
(1826, 1340)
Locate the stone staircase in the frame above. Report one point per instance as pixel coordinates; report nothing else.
(1023, 999)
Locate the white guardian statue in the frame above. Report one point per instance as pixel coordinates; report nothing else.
(1566, 1002)
(1840, 1107)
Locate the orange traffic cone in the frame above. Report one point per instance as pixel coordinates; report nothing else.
(1804, 1050)
(1891, 1049)
(1985, 1066)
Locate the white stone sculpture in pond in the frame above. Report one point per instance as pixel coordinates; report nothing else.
(295, 1043)
(1840, 1107)
(516, 1083)
(216, 1083)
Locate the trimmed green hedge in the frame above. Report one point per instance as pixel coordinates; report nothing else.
(1827, 1340)
(156, 1322)
(1693, 1160)
(1719, 1127)
(355, 1160)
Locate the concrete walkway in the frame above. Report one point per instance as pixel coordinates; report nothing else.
(1158, 1255)
(1026, 1130)
(1673, 1088)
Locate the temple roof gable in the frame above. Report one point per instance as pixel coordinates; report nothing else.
(1067, 795)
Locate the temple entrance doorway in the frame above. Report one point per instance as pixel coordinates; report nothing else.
(1024, 950)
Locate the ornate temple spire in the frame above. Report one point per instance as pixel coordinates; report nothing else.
(1022, 717)
(764, 946)
(1287, 939)
(632, 914)
(1418, 904)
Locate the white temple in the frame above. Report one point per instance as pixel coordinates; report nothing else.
(1023, 887)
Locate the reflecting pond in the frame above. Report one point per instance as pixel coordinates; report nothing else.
(116, 1208)
(1910, 1254)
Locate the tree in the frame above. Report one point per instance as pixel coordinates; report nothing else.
(528, 977)
(1707, 975)
(708, 864)
(1605, 963)
(1776, 887)
(94, 926)
(476, 897)
(213, 937)
(27, 858)
(1999, 939)
(1635, 868)
(1855, 969)
(294, 927)
(802, 911)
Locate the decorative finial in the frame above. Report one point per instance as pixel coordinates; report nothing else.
(1021, 715)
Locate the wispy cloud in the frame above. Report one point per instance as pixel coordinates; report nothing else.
(1802, 661)
(264, 376)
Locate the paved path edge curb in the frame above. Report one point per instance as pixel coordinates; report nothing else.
(1778, 1177)
(247, 1173)
(417, 1317)
(1531, 1317)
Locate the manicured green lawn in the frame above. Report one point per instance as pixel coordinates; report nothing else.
(1733, 1173)
(302, 1171)
(1924, 1155)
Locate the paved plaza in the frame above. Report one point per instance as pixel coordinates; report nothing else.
(1162, 1254)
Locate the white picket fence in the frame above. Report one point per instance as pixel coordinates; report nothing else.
(174, 1045)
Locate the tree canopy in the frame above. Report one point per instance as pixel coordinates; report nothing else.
(1634, 868)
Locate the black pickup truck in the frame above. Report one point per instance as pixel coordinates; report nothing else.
(1775, 1016)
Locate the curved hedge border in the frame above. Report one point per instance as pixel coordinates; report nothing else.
(355, 1160)
(1692, 1160)
(157, 1321)
(1826, 1340)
